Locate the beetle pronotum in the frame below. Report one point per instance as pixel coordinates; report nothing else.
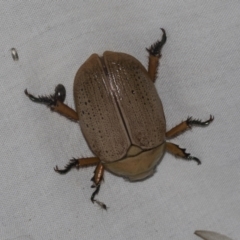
(121, 116)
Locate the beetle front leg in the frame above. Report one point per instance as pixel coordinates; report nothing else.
(180, 128)
(55, 102)
(78, 163)
(180, 152)
(155, 55)
(97, 180)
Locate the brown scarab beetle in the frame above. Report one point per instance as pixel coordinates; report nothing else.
(121, 116)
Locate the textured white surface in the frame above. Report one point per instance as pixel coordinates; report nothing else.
(199, 76)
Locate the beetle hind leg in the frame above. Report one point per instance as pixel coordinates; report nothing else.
(180, 128)
(101, 204)
(97, 180)
(55, 102)
(154, 56)
(180, 152)
(77, 163)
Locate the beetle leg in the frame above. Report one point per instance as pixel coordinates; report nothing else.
(97, 180)
(55, 102)
(98, 174)
(101, 204)
(187, 125)
(154, 56)
(77, 163)
(180, 152)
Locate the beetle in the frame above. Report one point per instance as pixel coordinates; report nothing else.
(121, 116)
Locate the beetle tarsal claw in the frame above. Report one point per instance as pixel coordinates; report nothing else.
(47, 100)
(72, 163)
(155, 49)
(101, 204)
(189, 157)
(198, 122)
(51, 100)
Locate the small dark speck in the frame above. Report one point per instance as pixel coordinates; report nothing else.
(133, 92)
(14, 54)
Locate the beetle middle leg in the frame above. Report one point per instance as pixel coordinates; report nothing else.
(154, 56)
(55, 102)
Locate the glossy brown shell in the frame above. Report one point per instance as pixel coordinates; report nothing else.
(118, 106)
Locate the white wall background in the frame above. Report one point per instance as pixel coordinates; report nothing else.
(199, 76)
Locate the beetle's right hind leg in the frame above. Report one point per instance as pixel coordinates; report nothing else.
(154, 56)
(55, 102)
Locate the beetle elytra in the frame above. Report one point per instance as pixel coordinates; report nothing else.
(121, 116)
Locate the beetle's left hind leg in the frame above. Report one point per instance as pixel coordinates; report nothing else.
(97, 180)
(55, 102)
(155, 55)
